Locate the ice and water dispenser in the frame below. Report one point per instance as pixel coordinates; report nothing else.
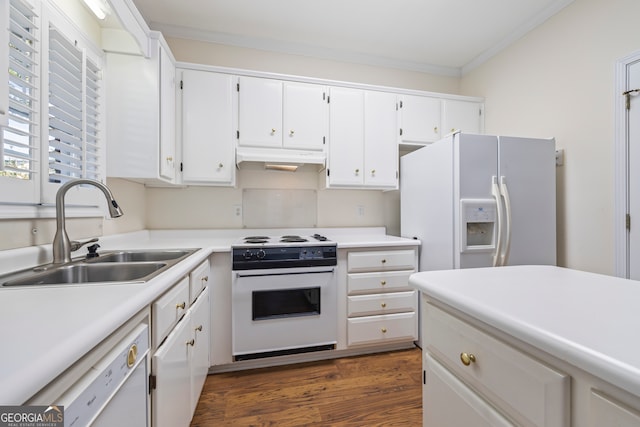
(478, 225)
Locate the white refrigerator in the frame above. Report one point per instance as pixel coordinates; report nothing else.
(480, 201)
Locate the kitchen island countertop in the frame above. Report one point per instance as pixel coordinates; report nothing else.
(591, 321)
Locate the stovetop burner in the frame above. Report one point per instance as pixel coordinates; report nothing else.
(293, 239)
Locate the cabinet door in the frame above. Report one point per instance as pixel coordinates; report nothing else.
(305, 116)
(420, 119)
(260, 112)
(380, 136)
(463, 116)
(207, 127)
(447, 402)
(346, 137)
(171, 398)
(607, 412)
(200, 355)
(167, 89)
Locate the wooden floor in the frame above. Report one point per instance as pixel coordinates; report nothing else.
(373, 390)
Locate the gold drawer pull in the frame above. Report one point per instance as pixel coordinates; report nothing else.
(132, 354)
(467, 358)
(384, 330)
(181, 305)
(199, 328)
(191, 342)
(384, 305)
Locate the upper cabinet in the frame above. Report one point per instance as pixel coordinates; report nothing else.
(463, 116)
(208, 103)
(420, 118)
(363, 150)
(141, 109)
(278, 114)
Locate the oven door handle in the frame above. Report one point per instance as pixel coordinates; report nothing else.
(283, 273)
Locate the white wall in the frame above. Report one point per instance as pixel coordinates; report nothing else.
(559, 81)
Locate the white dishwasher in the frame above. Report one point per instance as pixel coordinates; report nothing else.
(114, 391)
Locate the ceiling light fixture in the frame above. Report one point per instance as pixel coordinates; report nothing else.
(99, 8)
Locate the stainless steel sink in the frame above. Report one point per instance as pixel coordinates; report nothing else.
(89, 273)
(141, 256)
(110, 267)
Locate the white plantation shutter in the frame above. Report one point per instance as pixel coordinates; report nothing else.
(93, 158)
(19, 168)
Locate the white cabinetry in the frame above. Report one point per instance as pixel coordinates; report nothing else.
(180, 324)
(462, 116)
(208, 127)
(605, 411)
(278, 114)
(381, 306)
(477, 371)
(141, 114)
(362, 139)
(420, 118)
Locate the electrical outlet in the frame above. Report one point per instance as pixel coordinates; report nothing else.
(360, 210)
(237, 210)
(559, 157)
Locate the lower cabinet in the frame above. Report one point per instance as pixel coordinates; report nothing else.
(495, 383)
(180, 362)
(381, 307)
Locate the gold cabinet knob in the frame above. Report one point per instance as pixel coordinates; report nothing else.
(384, 330)
(132, 355)
(205, 279)
(182, 305)
(373, 171)
(191, 342)
(384, 261)
(220, 165)
(291, 132)
(383, 305)
(467, 358)
(435, 129)
(453, 129)
(383, 282)
(273, 130)
(169, 159)
(199, 328)
(357, 171)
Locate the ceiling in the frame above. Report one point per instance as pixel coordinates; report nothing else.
(447, 37)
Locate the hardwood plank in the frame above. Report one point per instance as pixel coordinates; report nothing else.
(383, 389)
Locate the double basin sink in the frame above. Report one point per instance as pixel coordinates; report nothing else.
(110, 267)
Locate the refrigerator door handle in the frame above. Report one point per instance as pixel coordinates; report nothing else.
(504, 191)
(495, 192)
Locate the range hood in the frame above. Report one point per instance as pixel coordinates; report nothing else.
(279, 156)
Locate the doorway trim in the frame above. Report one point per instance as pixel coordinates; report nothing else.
(621, 168)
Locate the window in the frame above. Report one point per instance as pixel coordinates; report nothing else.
(54, 131)
(19, 152)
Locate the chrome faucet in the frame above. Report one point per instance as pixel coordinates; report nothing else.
(61, 245)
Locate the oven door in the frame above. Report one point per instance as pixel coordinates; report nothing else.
(278, 310)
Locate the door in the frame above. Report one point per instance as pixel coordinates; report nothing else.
(346, 137)
(260, 112)
(304, 116)
(167, 116)
(420, 119)
(461, 116)
(633, 186)
(380, 139)
(200, 327)
(207, 127)
(527, 169)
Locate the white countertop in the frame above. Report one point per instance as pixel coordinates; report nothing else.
(591, 321)
(45, 329)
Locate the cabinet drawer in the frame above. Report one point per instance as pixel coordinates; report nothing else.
(168, 309)
(198, 280)
(607, 412)
(390, 327)
(360, 283)
(395, 302)
(531, 393)
(381, 260)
